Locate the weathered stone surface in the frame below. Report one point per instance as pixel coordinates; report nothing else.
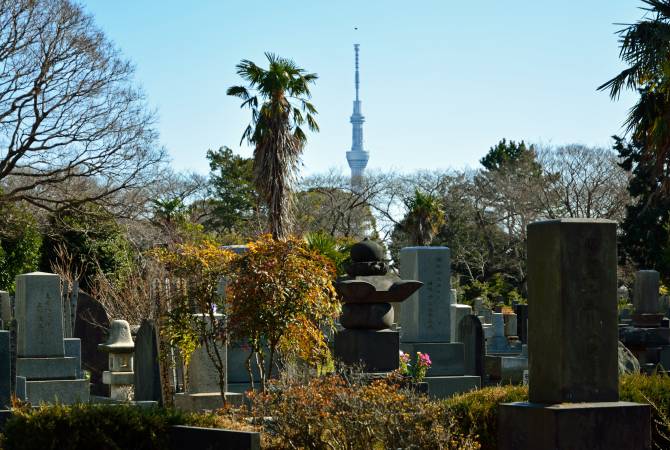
(447, 386)
(63, 391)
(458, 311)
(39, 315)
(572, 311)
(506, 369)
(206, 401)
(194, 438)
(645, 292)
(62, 368)
(510, 324)
(425, 315)
(147, 371)
(447, 357)
(378, 350)
(5, 370)
(73, 350)
(471, 334)
(644, 337)
(574, 426)
(522, 322)
(203, 376)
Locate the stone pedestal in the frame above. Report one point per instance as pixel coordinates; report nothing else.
(376, 350)
(573, 380)
(458, 311)
(574, 426)
(50, 375)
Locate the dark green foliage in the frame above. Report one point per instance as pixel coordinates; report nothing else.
(234, 199)
(476, 412)
(20, 244)
(504, 153)
(100, 427)
(654, 390)
(92, 237)
(645, 237)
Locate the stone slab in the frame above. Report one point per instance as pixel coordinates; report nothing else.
(425, 315)
(39, 315)
(471, 334)
(5, 369)
(644, 337)
(377, 351)
(184, 437)
(574, 426)
(506, 369)
(447, 358)
(205, 401)
(445, 387)
(20, 391)
(645, 292)
(91, 324)
(237, 360)
(572, 292)
(241, 388)
(47, 368)
(73, 350)
(62, 391)
(5, 309)
(458, 311)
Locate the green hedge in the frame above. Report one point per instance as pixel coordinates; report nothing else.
(101, 427)
(477, 411)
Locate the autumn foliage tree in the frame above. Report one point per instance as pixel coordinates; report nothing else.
(280, 296)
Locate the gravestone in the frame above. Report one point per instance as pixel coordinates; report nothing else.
(574, 383)
(645, 299)
(91, 325)
(471, 334)
(522, 322)
(458, 311)
(50, 375)
(147, 370)
(5, 370)
(73, 350)
(498, 344)
(426, 320)
(203, 391)
(510, 324)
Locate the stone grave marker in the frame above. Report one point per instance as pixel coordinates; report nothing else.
(574, 383)
(50, 375)
(147, 370)
(471, 334)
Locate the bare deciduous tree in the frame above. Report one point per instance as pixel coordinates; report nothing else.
(73, 128)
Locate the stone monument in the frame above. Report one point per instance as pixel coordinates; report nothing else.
(50, 375)
(574, 382)
(426, 320)
(120, 347)
(367, 314)
(147, 379)
(203, 390)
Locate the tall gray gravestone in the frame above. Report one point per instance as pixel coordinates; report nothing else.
(573, 388)
(5, 370)
(50, 375)
(425, 320)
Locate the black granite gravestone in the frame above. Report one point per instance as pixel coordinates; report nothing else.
(147, 371)
(91, 325)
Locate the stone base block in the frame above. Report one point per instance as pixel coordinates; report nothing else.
(59, 368)
(633, 337)
(205, 401)
(444, 387)
(377, 351)
(505, 369)
(574, 426)
(57, 391)
(126, 378)
(241, 388)
(647, 320)
(448, 358)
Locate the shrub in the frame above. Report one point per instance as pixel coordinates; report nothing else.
(100, 427)
(656, 391)
(476, 412)
(329, 412)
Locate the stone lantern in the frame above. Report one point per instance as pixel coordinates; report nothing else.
(367, 314)
(120, 347)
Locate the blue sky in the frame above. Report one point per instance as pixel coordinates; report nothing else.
(441, 80)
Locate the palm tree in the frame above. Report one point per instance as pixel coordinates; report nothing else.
(645, 48)
(424, 218)
(278, 99)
